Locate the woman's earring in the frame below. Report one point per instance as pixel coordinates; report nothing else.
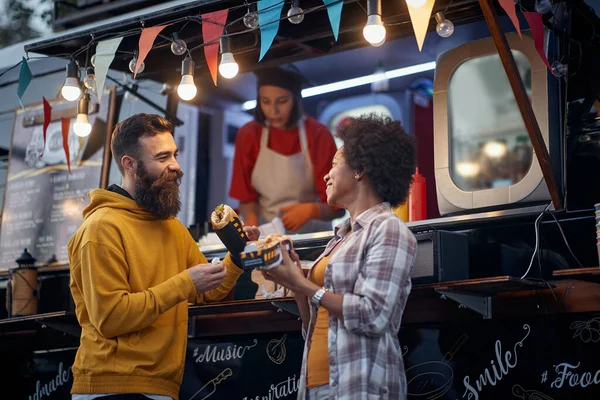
(356, 176)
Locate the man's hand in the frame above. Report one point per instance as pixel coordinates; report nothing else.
(295, 216)
(207, 276)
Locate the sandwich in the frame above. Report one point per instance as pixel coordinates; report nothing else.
(228, 227)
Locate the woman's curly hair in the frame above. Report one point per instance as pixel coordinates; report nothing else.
(381, 148)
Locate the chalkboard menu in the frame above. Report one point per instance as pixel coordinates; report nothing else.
(546, 358)
(43, 201)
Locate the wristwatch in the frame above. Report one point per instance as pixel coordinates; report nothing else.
(316, 299)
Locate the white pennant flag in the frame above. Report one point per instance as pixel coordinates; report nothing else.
(105, 54)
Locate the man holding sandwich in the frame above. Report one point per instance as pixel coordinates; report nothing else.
(134, 268)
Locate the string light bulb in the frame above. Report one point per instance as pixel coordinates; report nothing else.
(93, 61)
(295, 14)
(133, 63)
(178, 46)
(71, 90)
(374, 31)
(444, 27)
(89, 81)
(228, 68)
(82, 126)
(187, 89)
(251, 20)
(416, 3)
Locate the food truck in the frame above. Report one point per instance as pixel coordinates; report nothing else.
(503, 104)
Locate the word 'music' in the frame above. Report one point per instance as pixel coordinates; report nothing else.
(62, 378)
(506, 362)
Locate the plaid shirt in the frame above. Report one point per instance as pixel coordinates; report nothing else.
(371, 270)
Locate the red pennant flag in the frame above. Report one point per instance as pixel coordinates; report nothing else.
(47, 116)
(66, 125)
(147, 39)
(212, 28)
(536, 24)
(510, 9)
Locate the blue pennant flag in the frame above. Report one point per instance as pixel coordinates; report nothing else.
(269, 13)
(334, 11)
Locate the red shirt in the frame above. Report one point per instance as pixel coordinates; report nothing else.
(321, 148)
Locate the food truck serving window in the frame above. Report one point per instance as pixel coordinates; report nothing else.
(489, 145)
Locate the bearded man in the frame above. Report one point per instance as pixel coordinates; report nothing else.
(134, 268)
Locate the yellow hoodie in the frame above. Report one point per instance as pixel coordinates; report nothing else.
(131, 292)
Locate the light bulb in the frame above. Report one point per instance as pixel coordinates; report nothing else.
(295, 15)
(444, 27)
(82, 126)
(228, 67)
(374, 31)
(187, 89)
(495, 149)
(178, 46)
(251, 20)
(89, 81)
(133, 63)
(93, 61)
(467, 169)
(543, 6)
(416, 3)
(71, 90)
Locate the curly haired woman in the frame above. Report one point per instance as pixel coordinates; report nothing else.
(355, 293)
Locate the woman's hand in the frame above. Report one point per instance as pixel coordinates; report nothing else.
(252, 232)
(288, 273)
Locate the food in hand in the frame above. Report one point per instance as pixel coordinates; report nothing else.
(266, 253)
(228, 227)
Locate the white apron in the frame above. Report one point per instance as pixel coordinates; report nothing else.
(281, 181)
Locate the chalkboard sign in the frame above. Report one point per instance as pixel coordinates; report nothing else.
(43, 202)
(248, 367)
(546, 358)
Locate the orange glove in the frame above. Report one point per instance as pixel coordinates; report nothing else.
(251, 220)
(295, 216)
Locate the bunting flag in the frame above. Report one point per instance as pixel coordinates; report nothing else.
(47, 117)
(536, 24)
(510, 10)
(420, 18)
(147, 39)
(212, 28)
(105, 54)
(334, 11)
(66, 126)
(269, 12)
(25, 77)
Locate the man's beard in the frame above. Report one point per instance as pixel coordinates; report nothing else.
(155, 194)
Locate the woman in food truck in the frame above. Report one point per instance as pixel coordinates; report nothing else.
(281, 158)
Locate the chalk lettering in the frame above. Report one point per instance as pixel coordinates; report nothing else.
(472, 391)
(62, 377)
(214, 354)
(279, 390)
(566, 374)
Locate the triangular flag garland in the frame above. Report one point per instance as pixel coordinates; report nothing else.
(25, 77)
(420, 20)
(105, 54)
(334, 12)
(212, 28)
(510, 8)
(269, 12)
(536, 24)
(147, 38)
(47, 118)
(66, 126)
